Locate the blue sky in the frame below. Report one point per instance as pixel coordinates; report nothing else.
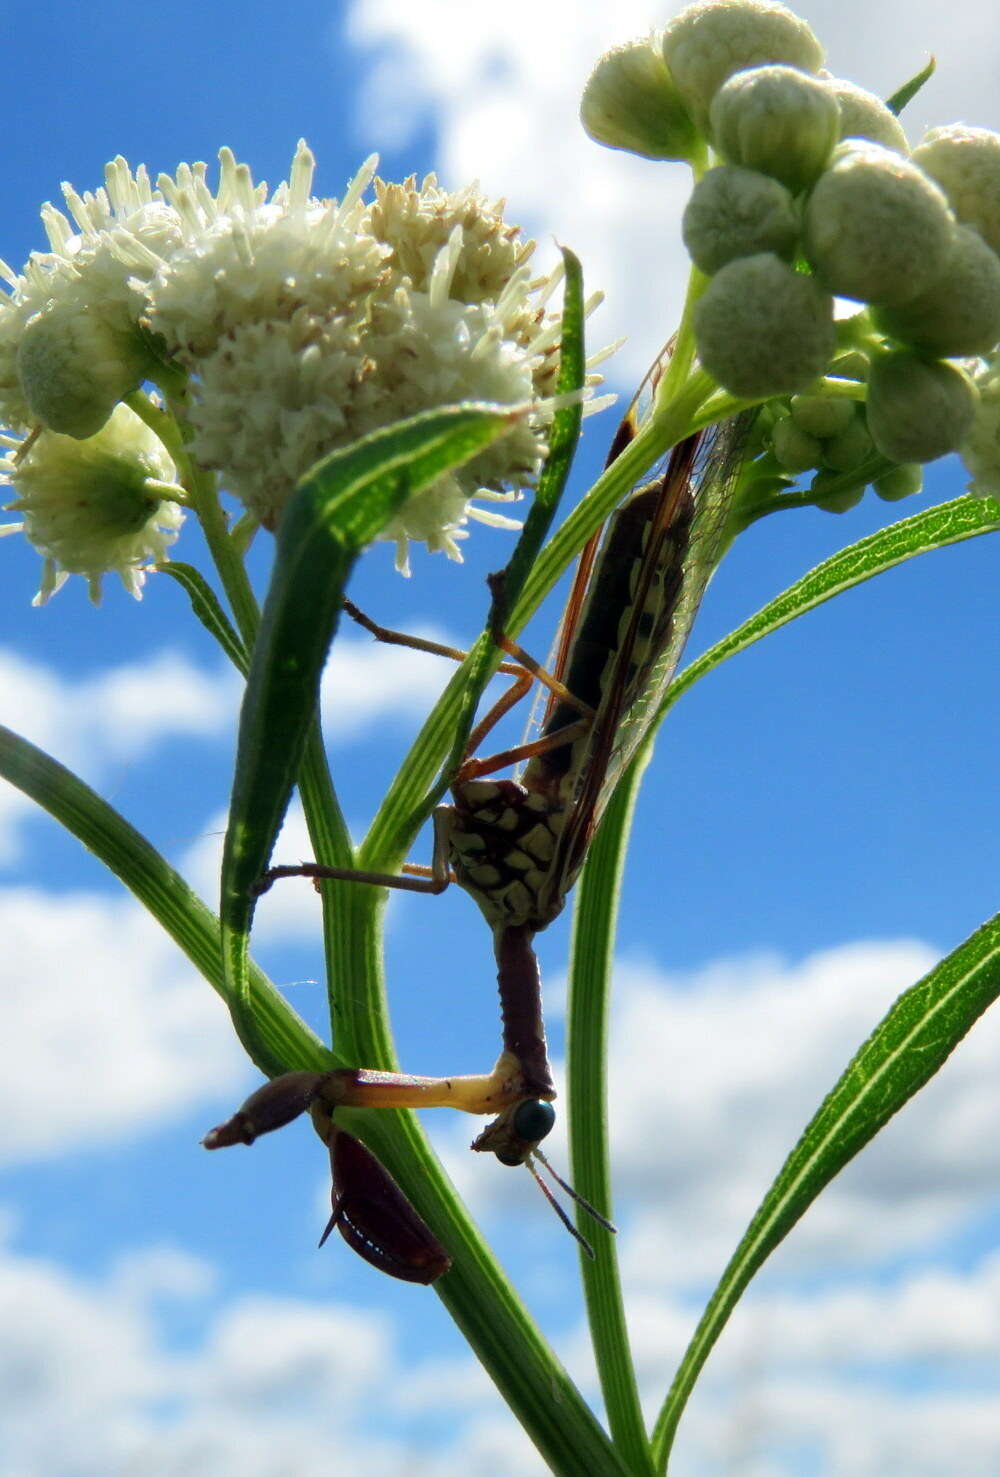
(817, 829)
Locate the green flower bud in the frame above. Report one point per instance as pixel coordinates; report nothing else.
(778, 120)
(960, 313)
(852, 365)
(822, 415)
(795, 451)
(630, 102)
(762, 329)
(840, 501)
(709, 41)
(849, 448)
(74, 368)
(966, 164)
(918, 409)
(899, 482)
(876, 228)
(863, 115)
(738, 212)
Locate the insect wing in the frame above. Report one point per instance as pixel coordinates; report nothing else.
(375, 1218)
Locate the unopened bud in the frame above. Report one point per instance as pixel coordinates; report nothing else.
(794, 449)
(981, 448)
(762, 329)
(738, 212)
(630, 102)
(778, 120)
(822, 415)
(74, 368)
(849, 448)
(876, 227)
(899, 482)
(272, 1106)
(840, 498)
(960, 313)
(966, 164)
(918, 409)
(863, 115)
(712, 39)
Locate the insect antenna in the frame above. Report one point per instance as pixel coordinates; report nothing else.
(581, 1200)
(560, 1212)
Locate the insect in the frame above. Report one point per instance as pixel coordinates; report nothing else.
(517, 846)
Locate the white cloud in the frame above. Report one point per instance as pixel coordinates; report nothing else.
(108, 1029)
(502, 91)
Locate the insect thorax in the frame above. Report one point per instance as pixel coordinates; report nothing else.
(503, 841)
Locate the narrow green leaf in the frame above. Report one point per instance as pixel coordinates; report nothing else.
(206, 606)
(902, 1054)
(909, 90)
(949, 523)
(335, 513)
(126, 853)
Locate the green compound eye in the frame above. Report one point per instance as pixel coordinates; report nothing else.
(533, 1120)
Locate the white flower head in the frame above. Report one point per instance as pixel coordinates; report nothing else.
(863, 115)
(307, 324)
(980, 451)
(93, 273)
(94, 506)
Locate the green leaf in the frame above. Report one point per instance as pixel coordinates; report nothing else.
(949, 523)
(206, 606)
(902, 1054)
(126, 853)
(334, 514)
(909, 90)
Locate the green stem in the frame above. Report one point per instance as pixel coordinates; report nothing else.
(594, 923)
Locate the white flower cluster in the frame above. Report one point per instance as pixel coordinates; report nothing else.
(299, 323)
(807, 191)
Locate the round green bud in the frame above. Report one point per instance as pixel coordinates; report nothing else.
(794, 450)
(822, 415)
(778, 120)
(960, 313)
(849, 448)
(762, 329)
(738, 212)
(841, 501)
(74, 368)
(876, 227)
(630, 102)
(899, 482)
(918, 409)
(710, 40)
(966, 164)
(863, 115)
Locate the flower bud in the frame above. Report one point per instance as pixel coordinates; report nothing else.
(918, 409)
(960, 313)
(738, 212)
(631, 102)
(849, 448)
(822, 415)
(899, 482)
(778, 120)
(793, 448)
(966, 164)
(762, 329)
(876, 227)
(74, 368)
(839, 499)
(712, 39)
(863, 115)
